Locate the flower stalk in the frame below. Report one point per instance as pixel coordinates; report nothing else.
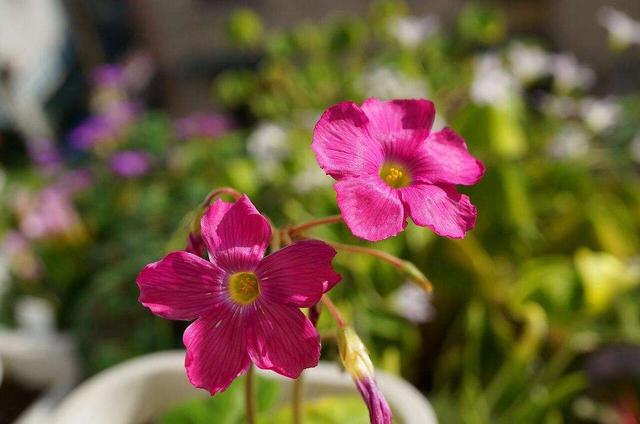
(297, 230)
(250, 396)
(408, 268)
(333, 311)
(298, 399)
(213, 194)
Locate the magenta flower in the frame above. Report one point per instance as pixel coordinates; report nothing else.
(245, 306)
(390, 166)
(379, 411)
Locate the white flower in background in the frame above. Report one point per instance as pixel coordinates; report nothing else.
(634, 148)
(528, 62)
(35, 315)
(386, 83)
(410, 31)
(311, 178)
(268, 146)
(569, 74)
(492, 84)
(559, 106)
(572, 142)
(411, 302)
(600, 114)
(623, 30)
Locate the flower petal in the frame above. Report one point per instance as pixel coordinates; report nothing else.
(210, 221)
(379, 411)
(441, 208)
(282, 339)
(395, 120)
(342, 144)
(446, 159)
(371, 209)
(216, 350)
(298, 274)
(243, 235)
(181, 286)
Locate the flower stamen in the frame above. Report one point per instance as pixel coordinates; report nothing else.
(243, 287)
(394, 175)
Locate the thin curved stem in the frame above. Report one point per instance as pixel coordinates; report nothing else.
(285, 236)
(275, 239)
(298, 399)
(335, 313)
(387, 257)
(250, 396)
(315, 223)
(219, 192)
(406, 267)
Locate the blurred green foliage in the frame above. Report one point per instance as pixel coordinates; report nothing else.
(548, 276)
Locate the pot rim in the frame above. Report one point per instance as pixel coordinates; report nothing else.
(156, 381)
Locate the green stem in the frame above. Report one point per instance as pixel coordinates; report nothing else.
(406, 267)
(250, 396)
(335, 313)
(297, 399)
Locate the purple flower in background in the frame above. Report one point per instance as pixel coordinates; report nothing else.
(131, 76)
(44, 153)
(90, 132)
(74, 181)
(110, 76)
(201, 125)
(130, 163)
(109, 125)
(15, 248)
(48, 214)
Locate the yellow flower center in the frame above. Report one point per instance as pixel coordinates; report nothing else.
(394, 175)
(244, 287)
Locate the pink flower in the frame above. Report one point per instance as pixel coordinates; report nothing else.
(245, 305)
(390, 166)
(48, 214)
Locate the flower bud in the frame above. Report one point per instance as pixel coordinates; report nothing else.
(195, 243)
(356, 361)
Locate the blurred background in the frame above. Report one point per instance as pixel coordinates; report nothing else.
(117, 118)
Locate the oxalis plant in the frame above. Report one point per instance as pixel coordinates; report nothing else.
(249, 309)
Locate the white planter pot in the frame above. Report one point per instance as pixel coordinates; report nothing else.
(39, 361)
(141, 389)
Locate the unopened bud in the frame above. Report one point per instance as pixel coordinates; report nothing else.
(356, 361)
(354, 354)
